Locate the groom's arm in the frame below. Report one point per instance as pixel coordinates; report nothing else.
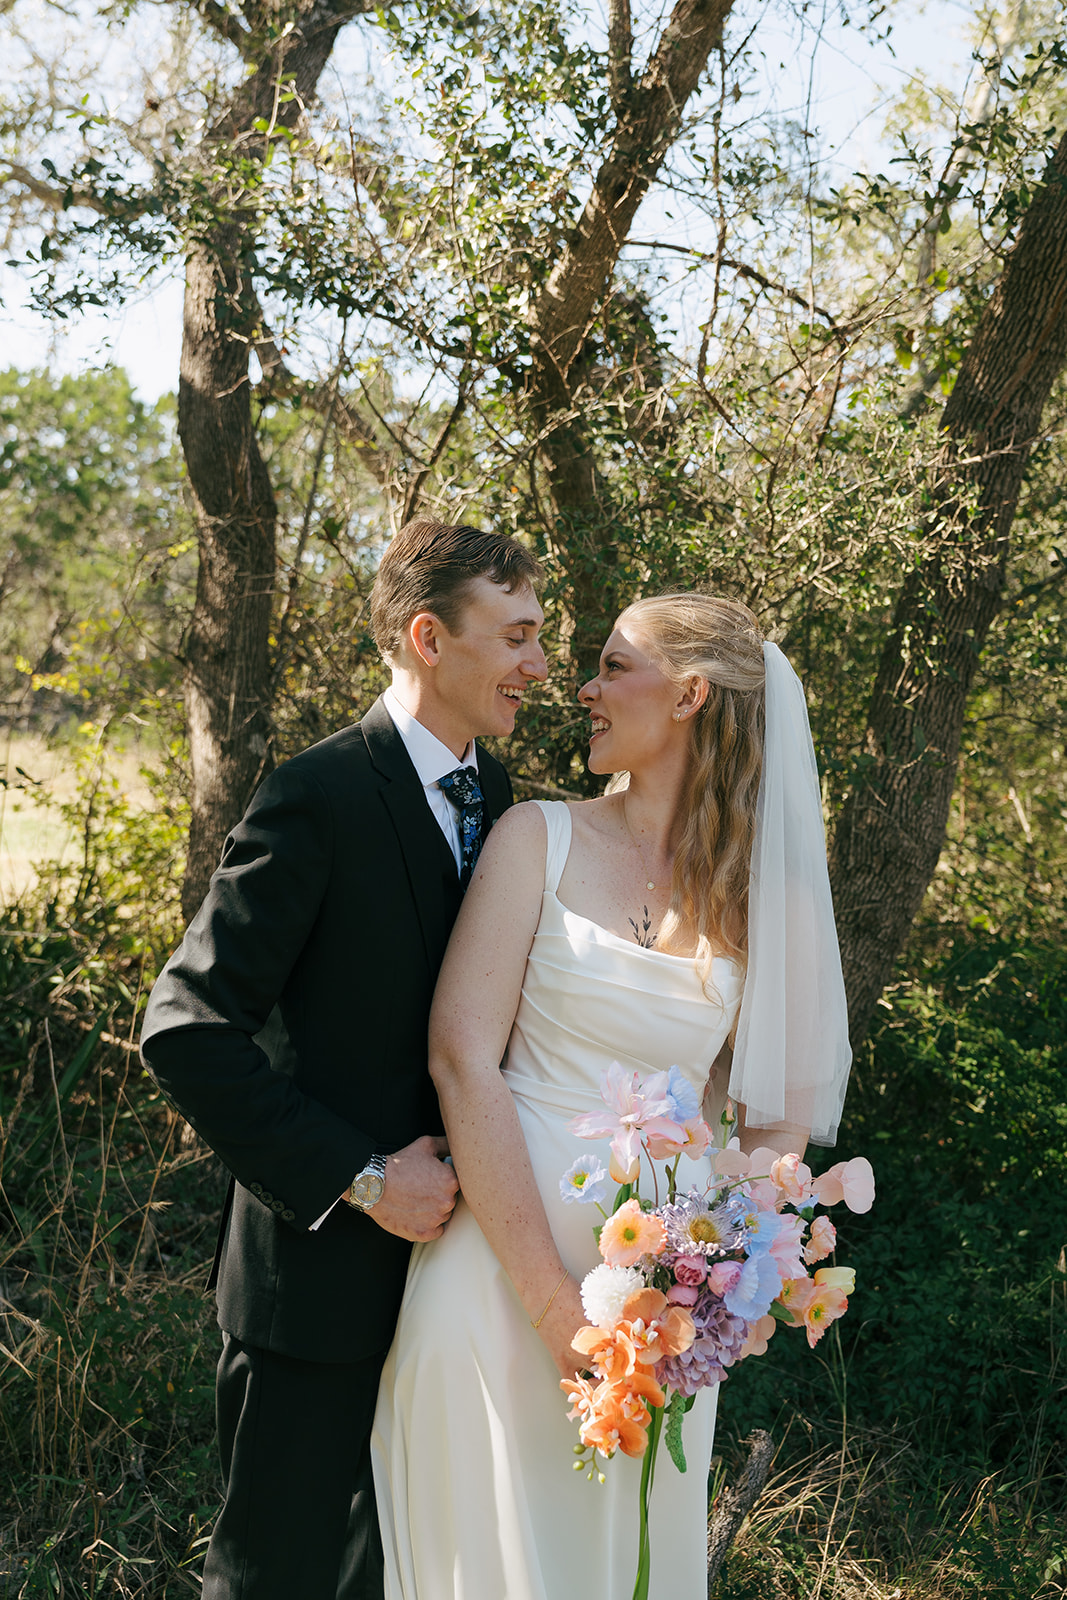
(215, 996)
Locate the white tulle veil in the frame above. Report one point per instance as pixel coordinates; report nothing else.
(791, 1052)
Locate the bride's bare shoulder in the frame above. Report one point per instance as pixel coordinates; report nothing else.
(594, 819)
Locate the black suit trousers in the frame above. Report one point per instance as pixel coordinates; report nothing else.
(299, 1521)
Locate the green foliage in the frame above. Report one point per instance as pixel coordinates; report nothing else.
(94, 568)
(956, 1330)
(106, 1216)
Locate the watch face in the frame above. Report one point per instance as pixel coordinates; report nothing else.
(367, 1189)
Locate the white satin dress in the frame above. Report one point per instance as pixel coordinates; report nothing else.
(472, 1448)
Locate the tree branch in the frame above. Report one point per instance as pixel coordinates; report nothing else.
(620, 55)
(50, 194)
(280, 383)
(563, 312)
(743, 271)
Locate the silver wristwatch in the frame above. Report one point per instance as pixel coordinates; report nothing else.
(368, 1186)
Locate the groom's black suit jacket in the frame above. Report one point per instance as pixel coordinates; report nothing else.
(290, 1028)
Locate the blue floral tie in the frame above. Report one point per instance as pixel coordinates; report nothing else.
(462, 789)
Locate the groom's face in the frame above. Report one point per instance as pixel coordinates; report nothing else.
(488, 663)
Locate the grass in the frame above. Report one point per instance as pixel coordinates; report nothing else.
(874, 1518)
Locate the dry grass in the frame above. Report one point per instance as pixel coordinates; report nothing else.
(870, 1521)
(38, 777)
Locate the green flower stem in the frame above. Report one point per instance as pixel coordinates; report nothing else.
(648, 1467)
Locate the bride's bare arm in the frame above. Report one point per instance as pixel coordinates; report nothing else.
(474, 1007)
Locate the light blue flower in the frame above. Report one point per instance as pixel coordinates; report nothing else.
(754, 1290)
(762, 1228)
(685, 1103)
(586, 1181)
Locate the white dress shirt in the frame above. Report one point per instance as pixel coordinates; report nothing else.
(431, 760)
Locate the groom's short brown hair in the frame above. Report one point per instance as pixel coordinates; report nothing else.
(429, 566)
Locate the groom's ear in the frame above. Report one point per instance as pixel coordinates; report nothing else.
(424, 635)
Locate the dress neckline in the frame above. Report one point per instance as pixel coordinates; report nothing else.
(631, 944)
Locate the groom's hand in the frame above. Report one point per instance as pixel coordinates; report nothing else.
(420, 1191)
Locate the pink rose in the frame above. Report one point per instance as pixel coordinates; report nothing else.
(683, 1294)
(723, 1275)
(690, 1270)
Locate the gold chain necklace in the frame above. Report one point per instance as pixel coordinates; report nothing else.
(641, 855)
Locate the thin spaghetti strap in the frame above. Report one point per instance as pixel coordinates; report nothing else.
(557, 815)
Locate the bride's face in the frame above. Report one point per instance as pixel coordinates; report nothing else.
(631, 704)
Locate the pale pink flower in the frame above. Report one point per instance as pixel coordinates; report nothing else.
(822, 1241)
(785, 1247)
(792, 1178)
(683, 1294)
(850, 1181)
(730, 1162)
(627, 1115)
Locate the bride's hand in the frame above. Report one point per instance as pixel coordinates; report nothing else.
(561, 1322)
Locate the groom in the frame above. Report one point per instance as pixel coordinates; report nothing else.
(290, 1028)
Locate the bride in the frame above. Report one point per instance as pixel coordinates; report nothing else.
(682, 919)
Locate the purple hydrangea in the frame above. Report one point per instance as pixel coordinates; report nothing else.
(719, 1337)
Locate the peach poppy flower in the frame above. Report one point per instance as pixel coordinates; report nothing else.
(825, 1306)
(630, 1234)
(760, 1334)
(795, 1295)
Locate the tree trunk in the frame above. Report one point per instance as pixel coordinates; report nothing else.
(227, 667)
(227, 657)
(892, 826)
(649, 117)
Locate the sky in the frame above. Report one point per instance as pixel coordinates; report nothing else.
(847, 84)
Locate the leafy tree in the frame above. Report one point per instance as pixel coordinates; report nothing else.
(94, 573)
(467, 248)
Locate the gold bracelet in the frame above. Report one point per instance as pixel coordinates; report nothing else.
(551, 1297)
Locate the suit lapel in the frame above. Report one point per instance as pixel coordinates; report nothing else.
(495, 786)
(428, 861)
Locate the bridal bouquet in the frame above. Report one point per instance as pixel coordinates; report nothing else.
(691, 1281)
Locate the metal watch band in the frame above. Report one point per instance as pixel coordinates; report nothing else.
(368, 1186)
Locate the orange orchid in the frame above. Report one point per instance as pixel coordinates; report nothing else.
(610, 1351)
(614, 1416)
(657, 1329)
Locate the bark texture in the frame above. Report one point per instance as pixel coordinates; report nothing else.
(227, 658)
(892, 827)
(649, 114)
(736, 1501)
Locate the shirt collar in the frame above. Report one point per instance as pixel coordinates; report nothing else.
(430, 758)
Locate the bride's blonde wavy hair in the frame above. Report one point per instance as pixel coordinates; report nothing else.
(700, 635)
